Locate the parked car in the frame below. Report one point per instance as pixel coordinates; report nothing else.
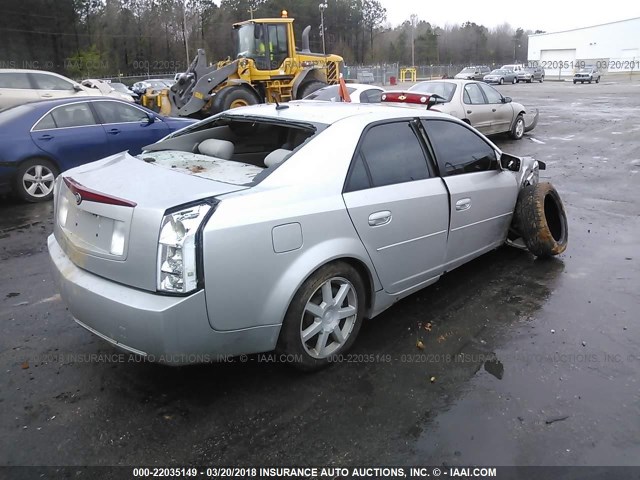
(140, 88)
(106, 89)
(529, 74)
(41, 139)
(122, 88)
(21, 86)
(476, 103)
(501, 76)
(359, 93)
(473, 73)
(251, 231)
(516, 67)
(589, 74)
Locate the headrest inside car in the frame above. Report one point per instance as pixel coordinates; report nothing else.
(276, 156)
(216, 148)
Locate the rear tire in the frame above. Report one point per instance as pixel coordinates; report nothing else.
(501, 81)
(541, 220)
(324, 317)
(34, 180)
(542, 79)
(310, 87)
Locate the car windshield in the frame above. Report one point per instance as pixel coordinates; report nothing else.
(328, 94)
(530, 69)
(468, 70)
(499, 72)
(443, 89)
(585, 70)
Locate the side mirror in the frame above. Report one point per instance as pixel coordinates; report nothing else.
(77, 88)
(510, 162)
(506, 99)
(150, 118)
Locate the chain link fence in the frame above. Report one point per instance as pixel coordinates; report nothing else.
(387, 74)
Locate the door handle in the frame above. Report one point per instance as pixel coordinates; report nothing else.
(113, 131)
(464, 204)
(45, 137)
(493, 109)
(379, 218)
(469, 111)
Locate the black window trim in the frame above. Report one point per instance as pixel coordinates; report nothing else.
(486, 100)
(413, 123)
(51, 110)
(462, 124)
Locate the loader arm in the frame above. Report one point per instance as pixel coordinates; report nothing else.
(193, 89)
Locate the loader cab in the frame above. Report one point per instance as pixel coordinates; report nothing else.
(267, 42)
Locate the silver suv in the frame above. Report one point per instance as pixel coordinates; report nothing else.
(22, 86)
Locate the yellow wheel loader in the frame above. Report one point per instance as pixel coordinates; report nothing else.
(268, 68)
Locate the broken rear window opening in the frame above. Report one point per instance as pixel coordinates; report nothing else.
(231, 148)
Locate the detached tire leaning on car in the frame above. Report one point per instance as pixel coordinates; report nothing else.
(324, 317)
(541, 220)
(34, 180)
(517, 131)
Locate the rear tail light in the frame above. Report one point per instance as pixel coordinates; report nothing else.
(83, 193)
(177, 249)
(410, 98)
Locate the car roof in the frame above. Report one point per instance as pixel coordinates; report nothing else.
(43, 105)
(331, 112)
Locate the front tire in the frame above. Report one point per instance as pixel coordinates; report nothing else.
(542, 79)
(234, 97)
(541, 220)
(34, 180)
(514, 81)
(501, 81)
(517, 131)
(324, 316)
(310, 87)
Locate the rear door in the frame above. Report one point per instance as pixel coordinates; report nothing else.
(476, 109)
(128, 128)
(398, 206)
(70, 134)
(483, 196)
(15, 89)
(501, 113)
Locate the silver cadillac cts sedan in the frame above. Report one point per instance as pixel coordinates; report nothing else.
(278, 228)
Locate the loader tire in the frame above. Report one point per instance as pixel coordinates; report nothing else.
(310, 87)
(541, 220)
(234, 97)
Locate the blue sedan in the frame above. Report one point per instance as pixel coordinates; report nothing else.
(41, 139)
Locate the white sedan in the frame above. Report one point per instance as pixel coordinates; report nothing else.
(359, 93)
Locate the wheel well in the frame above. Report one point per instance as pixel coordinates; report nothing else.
(40, 157)
(467, 121)
(365, 275)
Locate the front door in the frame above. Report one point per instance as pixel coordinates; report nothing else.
(502, 113)
(483, 196)
(128, 128)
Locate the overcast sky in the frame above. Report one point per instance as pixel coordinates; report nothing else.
(548, 15)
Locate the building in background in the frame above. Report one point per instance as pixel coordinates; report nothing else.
(613, 47)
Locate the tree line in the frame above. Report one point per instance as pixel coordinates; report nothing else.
(96, 38)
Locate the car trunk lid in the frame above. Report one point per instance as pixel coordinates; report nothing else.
(108, 214)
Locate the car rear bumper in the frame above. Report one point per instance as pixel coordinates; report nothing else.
(164, 329)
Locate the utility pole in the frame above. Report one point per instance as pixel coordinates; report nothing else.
(184, 30)
(414, 22)
(322, 7)
(251, 10)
